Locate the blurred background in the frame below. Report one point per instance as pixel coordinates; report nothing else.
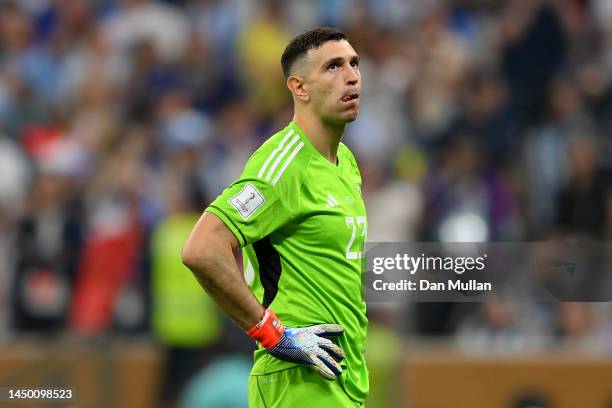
(120, 120)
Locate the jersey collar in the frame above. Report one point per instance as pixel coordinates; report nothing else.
(309, 145)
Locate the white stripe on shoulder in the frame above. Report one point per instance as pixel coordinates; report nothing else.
(280, 157)
(279, 148)
(289, 159)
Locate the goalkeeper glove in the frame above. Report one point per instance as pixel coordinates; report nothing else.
(305, 345)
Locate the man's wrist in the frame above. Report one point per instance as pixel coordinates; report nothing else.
(268, 331)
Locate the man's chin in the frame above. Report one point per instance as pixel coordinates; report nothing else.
(351, 118)
(343, 118)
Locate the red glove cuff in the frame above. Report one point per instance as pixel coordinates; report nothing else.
(268, 331)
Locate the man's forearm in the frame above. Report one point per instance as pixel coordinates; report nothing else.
(217, 272)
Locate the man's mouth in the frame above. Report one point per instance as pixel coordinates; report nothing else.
(350, 97)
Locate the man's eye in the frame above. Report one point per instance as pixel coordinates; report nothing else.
(354, 64)
(333, 66)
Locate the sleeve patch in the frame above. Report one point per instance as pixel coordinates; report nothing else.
(247, 201)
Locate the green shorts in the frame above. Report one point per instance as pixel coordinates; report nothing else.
(297, 387)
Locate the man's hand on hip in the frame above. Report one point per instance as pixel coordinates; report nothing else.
(306, 345)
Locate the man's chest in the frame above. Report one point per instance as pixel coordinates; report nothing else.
(333, 216)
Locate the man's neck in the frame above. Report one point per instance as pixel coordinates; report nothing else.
(324, 137)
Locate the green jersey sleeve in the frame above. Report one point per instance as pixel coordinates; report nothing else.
(256, 205)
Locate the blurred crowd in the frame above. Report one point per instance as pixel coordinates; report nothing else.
(120, 120)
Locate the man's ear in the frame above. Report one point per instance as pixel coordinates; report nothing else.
(298, 88)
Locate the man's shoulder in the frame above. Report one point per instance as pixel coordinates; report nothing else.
(281, 159)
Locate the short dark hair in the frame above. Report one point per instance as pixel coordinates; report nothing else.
(310, 39)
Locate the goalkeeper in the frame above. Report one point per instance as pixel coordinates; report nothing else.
(298, 215)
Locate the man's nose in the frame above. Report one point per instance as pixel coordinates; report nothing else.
(352, 77)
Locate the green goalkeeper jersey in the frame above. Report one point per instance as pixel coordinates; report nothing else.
(302, 224)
